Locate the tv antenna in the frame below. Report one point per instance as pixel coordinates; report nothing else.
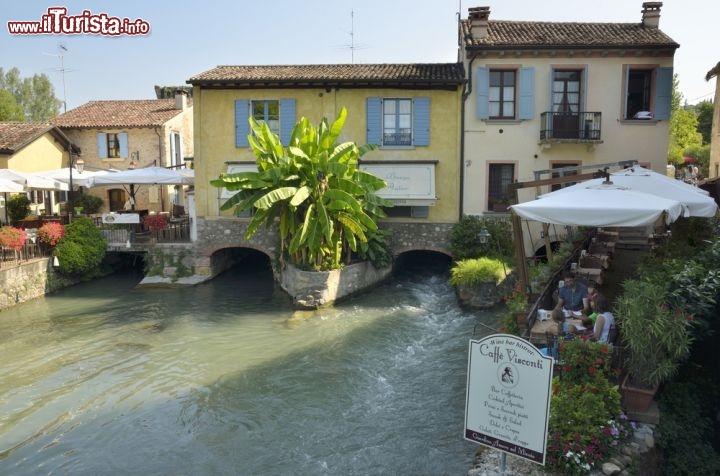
(352, 46)
(62, 49)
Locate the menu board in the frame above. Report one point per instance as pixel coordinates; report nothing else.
(508, 396)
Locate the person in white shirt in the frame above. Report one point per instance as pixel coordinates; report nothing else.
(604, 320)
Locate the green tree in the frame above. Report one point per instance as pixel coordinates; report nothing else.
(325, 206)
(35, 95)
(683, 134)
(10, 110)
(704, 111)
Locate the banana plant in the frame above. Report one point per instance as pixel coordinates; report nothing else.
(325, 207)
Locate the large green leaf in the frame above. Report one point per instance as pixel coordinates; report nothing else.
(270, 198)
(326, 225)
(343, 196)
(350, 187)
(369, 181)
(345, 152)
(300, 196)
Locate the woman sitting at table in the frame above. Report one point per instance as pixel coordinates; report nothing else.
(572, 296)
(604, 321)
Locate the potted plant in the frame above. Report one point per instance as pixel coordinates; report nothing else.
(656, 337)
(476, 281)
(517, 306)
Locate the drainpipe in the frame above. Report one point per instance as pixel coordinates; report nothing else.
(465, 95)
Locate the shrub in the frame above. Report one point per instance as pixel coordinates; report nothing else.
(657, 336)
(82, 249)
(474, 271)
(465, 240)
(18, 207)
(584, 362)
(13, 238)
(586, 425)
(51, 233)
(89, 203)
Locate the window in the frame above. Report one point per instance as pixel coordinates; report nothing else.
(639, 90)
(267, 112)
(398, 121)
(505, 94)
(499, 177)
(566, 91)
(648, 93)
(278, 114)
(112, 145)
(501, 99)
(176, 150)
(562, 173)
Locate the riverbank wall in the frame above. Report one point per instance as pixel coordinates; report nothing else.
(29, 280)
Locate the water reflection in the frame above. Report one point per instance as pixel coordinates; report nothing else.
(224, 378)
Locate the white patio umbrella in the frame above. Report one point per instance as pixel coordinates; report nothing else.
(63, 175)
(639, 179)
(8, 186)
(600, 205)
(145, 176)
(30, 180)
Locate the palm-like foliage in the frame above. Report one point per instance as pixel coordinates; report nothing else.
(324, 205)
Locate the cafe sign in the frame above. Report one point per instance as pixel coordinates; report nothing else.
(508, 396)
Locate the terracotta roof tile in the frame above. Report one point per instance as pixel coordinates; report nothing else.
(357, 74)
(122, 113)
(16, 135)
(519, 34)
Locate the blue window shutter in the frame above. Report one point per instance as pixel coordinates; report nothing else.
(663, 93)
(374, 121)
(123, 140)
(287, 120)
(102, 145)
(421, 121)
(527, 93)
(482, 94)
(242, 128)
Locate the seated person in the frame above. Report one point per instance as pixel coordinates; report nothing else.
(590, 311)
(604, 320)
(572, 297)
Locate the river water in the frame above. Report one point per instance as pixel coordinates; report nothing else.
(225, 378)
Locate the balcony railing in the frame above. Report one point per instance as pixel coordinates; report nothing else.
(397, 138)
(571, 127)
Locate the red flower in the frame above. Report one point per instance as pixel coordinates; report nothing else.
(592, 370)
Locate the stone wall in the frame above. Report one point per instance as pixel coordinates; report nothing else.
(419, 236)
(313, 290)
(29, 280)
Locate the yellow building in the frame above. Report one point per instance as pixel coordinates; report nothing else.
(411, 111)
(35, 147)
(544, 96)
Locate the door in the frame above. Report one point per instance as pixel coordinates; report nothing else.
(117, 198)
(566, 104)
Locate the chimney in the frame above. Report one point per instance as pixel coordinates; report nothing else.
(651, 14)
(478, 17)
(180, 100)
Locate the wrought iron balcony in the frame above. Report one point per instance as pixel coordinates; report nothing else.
(571, 127)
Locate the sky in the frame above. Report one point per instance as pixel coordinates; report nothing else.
(187, 38)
